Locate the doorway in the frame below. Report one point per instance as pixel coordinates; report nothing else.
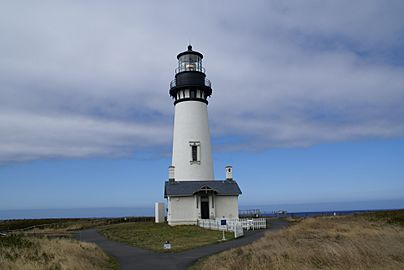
(205, 207)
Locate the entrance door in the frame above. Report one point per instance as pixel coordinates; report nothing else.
(204, 207)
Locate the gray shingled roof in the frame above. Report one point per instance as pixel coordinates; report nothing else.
(189, 188)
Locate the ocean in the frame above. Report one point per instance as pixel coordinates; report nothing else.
(321, 213)
(102, 212)
(115, 212)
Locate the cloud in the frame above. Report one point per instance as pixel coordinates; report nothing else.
(27, 136)
(83, 79)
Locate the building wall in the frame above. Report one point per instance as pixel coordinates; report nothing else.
(226, 206)
(191, 124)
(186, 210)
(182, 210)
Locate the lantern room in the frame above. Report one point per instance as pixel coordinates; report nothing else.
(190, 61)
(190, 81)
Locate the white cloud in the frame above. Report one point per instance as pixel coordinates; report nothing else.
(26, 136)
(82, 79)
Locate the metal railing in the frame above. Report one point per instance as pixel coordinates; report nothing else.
(249, 213)
(207, 83)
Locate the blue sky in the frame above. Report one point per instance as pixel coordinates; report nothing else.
(307, 100)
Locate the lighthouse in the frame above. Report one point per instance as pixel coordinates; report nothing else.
(190, 90)
(191, 191)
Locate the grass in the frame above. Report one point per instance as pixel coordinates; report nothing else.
(368, 241)
(18, 224)
(152, 236)
(33, 253)
(392, 216)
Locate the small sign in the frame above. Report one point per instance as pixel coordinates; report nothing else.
(223, 222)
(167, 245)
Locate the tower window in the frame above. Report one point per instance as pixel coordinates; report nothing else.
(193, 94)
(195, 152)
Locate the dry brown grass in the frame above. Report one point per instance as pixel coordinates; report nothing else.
(65, 232)
(32, 253)
(320, 243)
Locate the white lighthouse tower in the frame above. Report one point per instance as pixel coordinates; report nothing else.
(191, 192)
(191, 157)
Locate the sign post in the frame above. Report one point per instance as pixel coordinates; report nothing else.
(223, 227)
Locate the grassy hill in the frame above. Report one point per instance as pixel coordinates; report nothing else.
(366, 241)
(34, 253)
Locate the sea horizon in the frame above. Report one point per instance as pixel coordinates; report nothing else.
(116, 212)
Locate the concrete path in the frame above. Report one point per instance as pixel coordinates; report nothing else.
(135, 258)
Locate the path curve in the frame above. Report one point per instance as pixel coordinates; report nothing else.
(131, 258)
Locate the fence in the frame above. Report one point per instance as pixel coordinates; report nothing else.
(214, 224)
(253, 223)
(235, 225)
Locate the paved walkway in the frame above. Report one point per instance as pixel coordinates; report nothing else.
(135, 258)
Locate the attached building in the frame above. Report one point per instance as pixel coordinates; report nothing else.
(192, 200)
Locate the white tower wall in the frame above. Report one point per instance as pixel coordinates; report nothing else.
(191, 128)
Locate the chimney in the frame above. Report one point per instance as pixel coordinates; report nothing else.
(171, 173)
(229, 173)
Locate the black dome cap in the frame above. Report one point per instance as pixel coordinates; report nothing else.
(190, 51)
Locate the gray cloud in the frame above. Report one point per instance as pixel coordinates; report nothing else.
(81, 79)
